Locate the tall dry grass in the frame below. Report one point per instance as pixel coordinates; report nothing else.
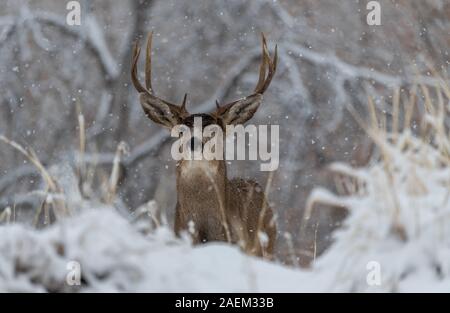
(57, 202)
(398, 205)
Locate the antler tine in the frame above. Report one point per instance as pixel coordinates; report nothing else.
(135, 58)
(272, 68)
(148, 63)
(183, 104)
(262, 67)
(271, 64)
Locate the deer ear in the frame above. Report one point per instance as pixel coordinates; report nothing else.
(240, 111)
(160, 111)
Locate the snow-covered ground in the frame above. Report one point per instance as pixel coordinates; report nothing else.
(396, 239)
(114, 256)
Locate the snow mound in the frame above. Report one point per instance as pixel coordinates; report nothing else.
(114, 256)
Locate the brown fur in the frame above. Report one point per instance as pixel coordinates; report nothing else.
(213, 203)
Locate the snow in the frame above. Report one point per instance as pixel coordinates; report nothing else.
(114, 256)
(399, 219)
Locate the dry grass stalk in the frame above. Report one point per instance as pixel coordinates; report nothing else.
(5, 216)
(82, 144)
(122, 149)
(221, 199)
(59, 207)
(262, 214)
(433, 141)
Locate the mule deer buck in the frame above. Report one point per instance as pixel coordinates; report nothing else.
(220, 209)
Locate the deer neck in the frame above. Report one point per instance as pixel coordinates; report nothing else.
(202, 185)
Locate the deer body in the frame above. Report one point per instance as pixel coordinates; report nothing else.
(222, 209)
(209, 205)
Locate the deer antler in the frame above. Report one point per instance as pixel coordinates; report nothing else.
(169, 114)
(267, 70)
(271, 64)
(148, 89)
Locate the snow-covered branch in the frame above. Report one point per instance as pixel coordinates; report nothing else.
(89, 32)
(350, 71)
